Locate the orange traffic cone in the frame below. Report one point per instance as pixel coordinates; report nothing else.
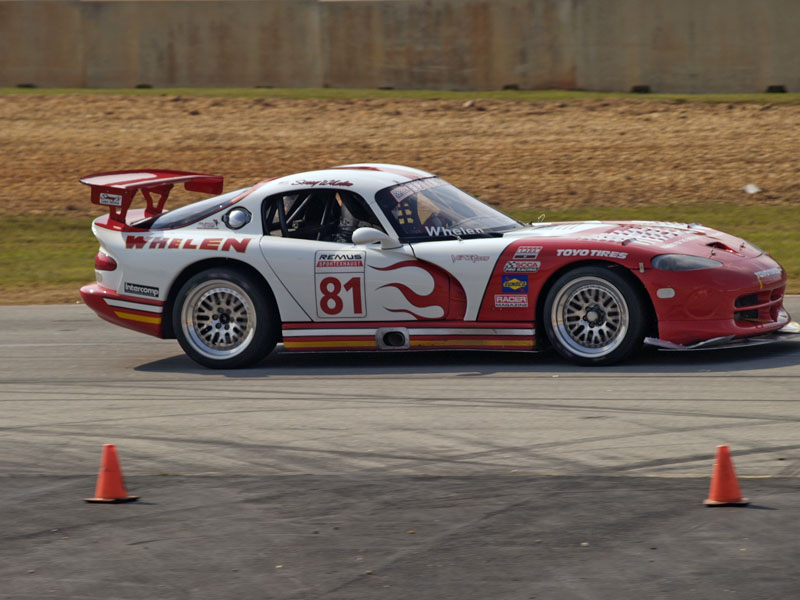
(110, 486)
(724, 486)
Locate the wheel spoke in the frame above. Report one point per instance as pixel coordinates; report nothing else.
(590, 316)
(219, 319)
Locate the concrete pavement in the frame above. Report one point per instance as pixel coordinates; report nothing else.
(467, 475)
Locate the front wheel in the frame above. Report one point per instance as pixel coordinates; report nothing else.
(594, 316)
(223, 320)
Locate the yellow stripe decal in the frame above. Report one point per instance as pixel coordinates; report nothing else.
(336, 344)
(470, 342)
(133, 317)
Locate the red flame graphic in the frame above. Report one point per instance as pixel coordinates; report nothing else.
(438, 297)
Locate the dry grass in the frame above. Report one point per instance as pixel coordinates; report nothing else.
(537, 155)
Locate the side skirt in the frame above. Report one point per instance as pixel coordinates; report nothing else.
(409, 335)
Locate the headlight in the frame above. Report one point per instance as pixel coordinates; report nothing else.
(683, 262)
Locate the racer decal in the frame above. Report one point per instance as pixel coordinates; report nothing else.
(531, 252)
(521, 266)
(160, 243)
(594, 253)
(141, 290)
(515, 283)
(511, 300)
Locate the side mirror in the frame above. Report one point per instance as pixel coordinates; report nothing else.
(368, 235)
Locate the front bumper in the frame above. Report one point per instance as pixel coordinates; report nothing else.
(732, 301)
(140, 314)
(788, 333)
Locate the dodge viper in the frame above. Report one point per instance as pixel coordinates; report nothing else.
(379, 257)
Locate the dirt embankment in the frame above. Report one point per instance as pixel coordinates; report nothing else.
(512, 154)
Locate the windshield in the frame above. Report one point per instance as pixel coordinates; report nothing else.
(190, 213)
(429, 209)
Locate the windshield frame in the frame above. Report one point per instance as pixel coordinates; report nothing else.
(431, 189)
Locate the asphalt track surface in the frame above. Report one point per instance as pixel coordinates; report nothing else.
(416, 475)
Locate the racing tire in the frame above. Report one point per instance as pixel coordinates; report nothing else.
(223, 319)
(594, 316)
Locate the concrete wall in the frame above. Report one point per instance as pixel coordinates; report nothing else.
(670, 45)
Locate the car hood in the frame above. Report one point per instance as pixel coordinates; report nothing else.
(658, 236)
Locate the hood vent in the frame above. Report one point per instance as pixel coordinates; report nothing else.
(721, 246)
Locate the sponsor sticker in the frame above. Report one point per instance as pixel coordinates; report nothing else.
(769, 274)
(175, 243)
(521, 266)
(402, 192)
(141, 290)
(511, 300)
(323, 182)
(592, 253)
(110, 199)
(452, 231)
(531, 252)
(339, 262)
(469, 257)
(515, 283)
(212, 224)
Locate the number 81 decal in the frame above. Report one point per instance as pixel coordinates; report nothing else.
(339, 278)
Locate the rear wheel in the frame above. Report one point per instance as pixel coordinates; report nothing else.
(223, 320)
(594, 316)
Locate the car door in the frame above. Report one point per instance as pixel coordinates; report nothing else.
(338, 281)
(341, 282)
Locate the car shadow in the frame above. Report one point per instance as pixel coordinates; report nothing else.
(477, 363)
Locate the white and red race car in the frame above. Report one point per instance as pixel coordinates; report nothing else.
(390, 258)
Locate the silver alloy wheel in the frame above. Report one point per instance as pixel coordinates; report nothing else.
(218, 319)
(590, 317)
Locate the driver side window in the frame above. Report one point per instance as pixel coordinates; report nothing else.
(325, 215)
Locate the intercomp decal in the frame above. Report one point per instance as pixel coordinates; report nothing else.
(141, 290)
(224, 245)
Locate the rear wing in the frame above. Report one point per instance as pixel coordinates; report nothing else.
(116, 189)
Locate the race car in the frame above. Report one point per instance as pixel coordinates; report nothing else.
(381, 257)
